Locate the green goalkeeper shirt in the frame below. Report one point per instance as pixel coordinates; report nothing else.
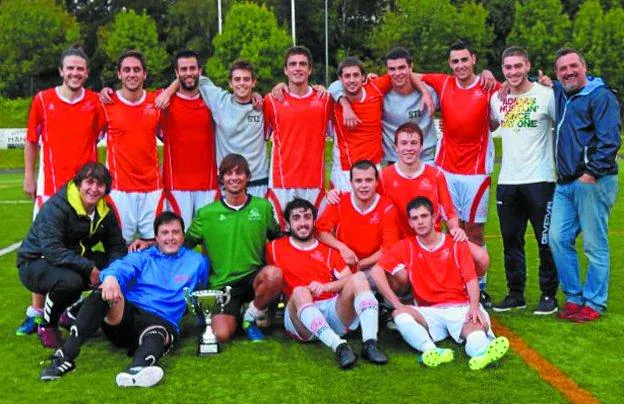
(234, 239)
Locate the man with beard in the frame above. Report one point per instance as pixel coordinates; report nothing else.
(362, 223)
(239, 121)
(587, 140)
(189, 167)
(234, 231)
(66, 121)
(325, 300)
(446, 293)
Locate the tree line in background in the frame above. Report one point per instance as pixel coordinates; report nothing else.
(34, 33)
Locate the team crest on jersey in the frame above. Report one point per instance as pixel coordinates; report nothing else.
(50, 107)
(87, 107)
(254, 214)
(445, 254)
(317, 256)
(149, 109)
(221, 217)
(374, 218)
(425, 184)
(395, 183)
(182, 278)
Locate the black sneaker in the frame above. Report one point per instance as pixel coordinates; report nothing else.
(485, 300)
(371, 352)
(346, 356)
(59, 366)
(547, 305)
(510, 302)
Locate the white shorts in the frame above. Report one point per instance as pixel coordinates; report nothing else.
(448, 321)
(471, 195)
(279, 197)
(187, 203)
(136, 212)
(259, 191)
(39, 201)
(327, 307)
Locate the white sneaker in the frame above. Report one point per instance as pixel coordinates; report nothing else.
(139, 376)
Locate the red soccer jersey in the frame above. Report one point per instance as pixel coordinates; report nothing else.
(68, 132)
(364, 142)
(365, 232)
(299, 125)
(131, 142)
(189, 162)
(438, 276)
(301, 267)
(466, 146)
(428, 182)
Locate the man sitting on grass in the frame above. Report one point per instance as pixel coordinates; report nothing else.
(446, 291)
(325, 300)
(139, 305)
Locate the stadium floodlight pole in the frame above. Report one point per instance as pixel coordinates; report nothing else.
(326, 47)
(219, 13)
(292, 21)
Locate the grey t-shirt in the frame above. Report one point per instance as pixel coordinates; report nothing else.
(240, 128)
(398, 109)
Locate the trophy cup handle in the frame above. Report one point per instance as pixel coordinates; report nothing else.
(228, 296)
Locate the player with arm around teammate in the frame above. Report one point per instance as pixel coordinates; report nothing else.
(325, 300)
(446, 291)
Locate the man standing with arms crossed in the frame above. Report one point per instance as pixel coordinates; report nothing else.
(67, 120)
(189, 167)
(298, 122)
(466, 153)
(527, 179)
(587, 140)
(133, 123)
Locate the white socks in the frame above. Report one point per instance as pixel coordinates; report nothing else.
(476, 343)
(413, 333)
(314, 321)
(367, 308)
(252, 313)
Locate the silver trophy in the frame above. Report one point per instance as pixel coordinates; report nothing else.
(204, 304)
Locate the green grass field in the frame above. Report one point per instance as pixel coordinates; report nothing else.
(280, 370)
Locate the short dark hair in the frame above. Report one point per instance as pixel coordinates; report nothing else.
(460, 45)
(514, 51)
(183, 54)
(298, 50)
(350, 61)
(398, 53)
(363, 165)
(409, 127)
(299, 203)
(418, 202)
(167, 217)
(240, 64)
(233, 161)
(567, 51)
(73, 51)
(97, 171)
(132, 54)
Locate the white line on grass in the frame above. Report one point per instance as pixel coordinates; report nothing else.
(10, 248)
(14, 202)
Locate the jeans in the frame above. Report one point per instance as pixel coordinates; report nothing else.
(580, 207)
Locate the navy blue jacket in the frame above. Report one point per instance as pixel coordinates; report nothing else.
(587, 134)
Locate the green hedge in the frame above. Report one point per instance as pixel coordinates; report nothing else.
(13, 113)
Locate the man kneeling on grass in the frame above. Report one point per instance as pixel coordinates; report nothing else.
(446, 291)
(325, 300)
(139, 305)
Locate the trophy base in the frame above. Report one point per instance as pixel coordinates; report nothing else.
(207, 349)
